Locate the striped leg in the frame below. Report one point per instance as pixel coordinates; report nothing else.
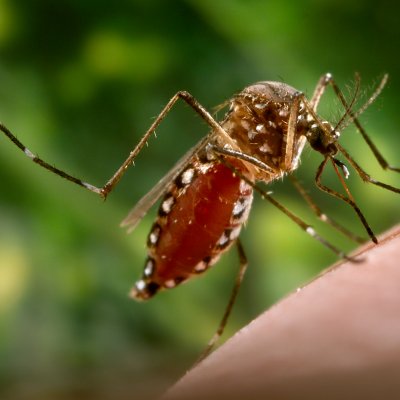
(105, 190)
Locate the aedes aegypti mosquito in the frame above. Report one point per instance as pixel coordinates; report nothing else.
(208, 194)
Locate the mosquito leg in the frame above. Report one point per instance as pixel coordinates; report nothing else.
(46, 165)
(382, 161)
(241, 156)
(340, 196)
(320, 214)
(291, 159)
(364, 176)
(319, 90)
(291, 131)
(235, 290)
(303, 225)
(111, 183)
(197, 107)
(266, 196)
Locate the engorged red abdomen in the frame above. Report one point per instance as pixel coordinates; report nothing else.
(195, 224)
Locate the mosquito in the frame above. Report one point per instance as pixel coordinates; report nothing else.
(207, 195)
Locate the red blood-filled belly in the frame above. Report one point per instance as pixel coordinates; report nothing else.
(198, 217)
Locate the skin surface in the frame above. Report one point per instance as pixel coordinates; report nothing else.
(338, 337)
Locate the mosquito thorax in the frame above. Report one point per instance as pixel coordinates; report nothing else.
(257, 120)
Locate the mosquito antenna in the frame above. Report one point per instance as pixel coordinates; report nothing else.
(346, 117)
(377, 92)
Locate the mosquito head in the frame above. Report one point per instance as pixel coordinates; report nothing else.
(322, 138)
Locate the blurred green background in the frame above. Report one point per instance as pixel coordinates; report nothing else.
(80, 82)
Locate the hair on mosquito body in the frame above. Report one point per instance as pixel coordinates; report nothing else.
(205, 199)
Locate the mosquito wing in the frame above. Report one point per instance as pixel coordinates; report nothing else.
(148, 200)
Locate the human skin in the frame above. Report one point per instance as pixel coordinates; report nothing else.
(336, 338)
